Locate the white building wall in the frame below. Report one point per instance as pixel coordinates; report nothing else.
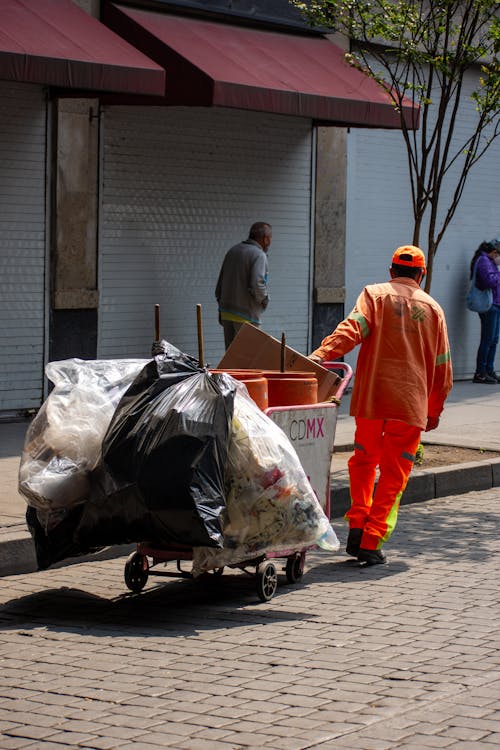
(180, 186)
(379, 219)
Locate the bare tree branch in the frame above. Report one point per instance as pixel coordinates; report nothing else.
(421, 51)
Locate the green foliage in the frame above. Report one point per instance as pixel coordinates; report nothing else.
(420, 51)
(448, 36)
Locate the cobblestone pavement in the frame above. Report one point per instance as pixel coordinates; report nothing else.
(397, 656)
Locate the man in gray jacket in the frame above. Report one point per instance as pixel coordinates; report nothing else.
(241, 289)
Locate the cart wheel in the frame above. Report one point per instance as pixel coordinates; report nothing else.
(295, 567)
(136, 572)
(267, 581)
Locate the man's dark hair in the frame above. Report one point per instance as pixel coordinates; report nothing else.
(484, 247)
(259, 230)
(408, 271)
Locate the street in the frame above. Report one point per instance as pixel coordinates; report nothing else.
(397, 656)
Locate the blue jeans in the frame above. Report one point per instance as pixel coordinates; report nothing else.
(490, 325)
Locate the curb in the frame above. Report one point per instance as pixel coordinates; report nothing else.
(17, 552)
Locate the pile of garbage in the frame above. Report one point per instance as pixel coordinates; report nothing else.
(165, 452)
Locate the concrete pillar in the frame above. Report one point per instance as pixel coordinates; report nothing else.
(74, 292)
(330, 223)
(75, 261)
(73, 331)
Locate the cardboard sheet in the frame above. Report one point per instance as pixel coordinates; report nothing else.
(255, 349)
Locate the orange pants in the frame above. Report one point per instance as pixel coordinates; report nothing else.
(389, 445)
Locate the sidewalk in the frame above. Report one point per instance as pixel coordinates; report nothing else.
(471, 419)
(402, 656)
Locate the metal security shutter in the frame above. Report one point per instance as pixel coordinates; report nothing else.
(180, 186)
(22, 245)
(379, 219)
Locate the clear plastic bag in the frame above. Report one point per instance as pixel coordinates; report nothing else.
(270, 504)
(63, 442)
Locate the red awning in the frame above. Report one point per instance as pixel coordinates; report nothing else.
(222, 65)
(56, 43)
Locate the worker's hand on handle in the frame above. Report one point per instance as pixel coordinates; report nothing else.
(315, 358)
(432, 423)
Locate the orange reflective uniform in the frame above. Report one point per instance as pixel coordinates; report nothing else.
(404, 366)
(403, 375)
(391, 445)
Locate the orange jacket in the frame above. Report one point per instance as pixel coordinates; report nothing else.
(404, 366)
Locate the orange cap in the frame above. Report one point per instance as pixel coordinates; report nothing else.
(409, 255)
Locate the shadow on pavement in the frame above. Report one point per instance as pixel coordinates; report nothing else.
(447, 537)
(171, 607)
(180, 606)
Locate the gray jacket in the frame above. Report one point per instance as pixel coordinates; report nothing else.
(242, 285)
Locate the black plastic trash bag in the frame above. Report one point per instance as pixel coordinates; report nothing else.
(170, 440)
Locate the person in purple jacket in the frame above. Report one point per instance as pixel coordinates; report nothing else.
(487, 262)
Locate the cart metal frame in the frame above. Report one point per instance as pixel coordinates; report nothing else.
(138, 567)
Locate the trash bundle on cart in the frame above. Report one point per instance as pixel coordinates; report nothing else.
(168, 454)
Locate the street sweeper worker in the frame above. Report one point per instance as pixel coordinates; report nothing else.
(403, 376)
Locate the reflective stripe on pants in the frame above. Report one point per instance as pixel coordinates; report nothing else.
(389, 445)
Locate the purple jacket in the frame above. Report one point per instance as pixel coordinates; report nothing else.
(488, 276)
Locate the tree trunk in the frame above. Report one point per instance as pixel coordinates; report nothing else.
(430, 264)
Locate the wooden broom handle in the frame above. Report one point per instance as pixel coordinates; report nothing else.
(283, 352)
(157, 322)
(201, 358)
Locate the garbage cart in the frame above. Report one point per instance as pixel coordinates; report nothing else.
(311, 431)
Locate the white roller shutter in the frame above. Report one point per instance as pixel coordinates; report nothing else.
(180, 186)
(22, 245)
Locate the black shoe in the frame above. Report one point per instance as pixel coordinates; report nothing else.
(372, 556)
(486, 378)
(493, 375)
(353, 542)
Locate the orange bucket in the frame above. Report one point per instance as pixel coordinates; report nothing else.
(291, 388)
(255, 382)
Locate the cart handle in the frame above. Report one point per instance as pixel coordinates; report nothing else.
(346, 369)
